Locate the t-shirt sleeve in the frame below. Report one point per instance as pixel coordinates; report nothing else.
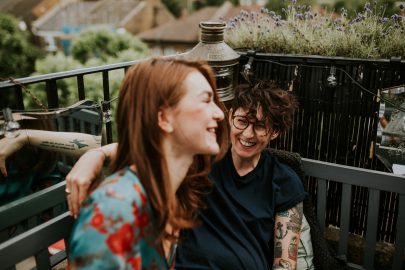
(287, 186)
(107, 230)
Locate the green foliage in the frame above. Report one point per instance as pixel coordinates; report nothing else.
(125, 48)
(369, 34)
(214, 2)
(173, 6)
(103, 43)
(17, 54)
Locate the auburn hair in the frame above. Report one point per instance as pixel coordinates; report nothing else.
(147, 87)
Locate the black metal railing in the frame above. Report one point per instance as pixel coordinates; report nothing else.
(334, 123)
(17, 88)
(360, 254)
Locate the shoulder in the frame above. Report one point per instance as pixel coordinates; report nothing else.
(119, 196)
(288, 188)
(281, 172)
(111, 221)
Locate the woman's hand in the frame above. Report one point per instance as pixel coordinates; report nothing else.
(86, 170)
(9, 146)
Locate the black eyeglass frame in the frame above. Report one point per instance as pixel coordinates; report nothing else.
(267, 130)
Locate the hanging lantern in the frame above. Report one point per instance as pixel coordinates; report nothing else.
(222, 58)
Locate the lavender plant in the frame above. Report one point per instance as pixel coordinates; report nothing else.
(369, 34)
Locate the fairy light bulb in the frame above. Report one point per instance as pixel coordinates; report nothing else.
(331, 80)
(11, 127)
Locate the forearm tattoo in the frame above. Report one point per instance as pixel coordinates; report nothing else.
(70, 145)
(79, 143)
(293, 248)
(280, 231)
(295, 218)
(282, 264)
(292, 220)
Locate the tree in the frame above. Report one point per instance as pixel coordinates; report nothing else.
(91, 48)
(103, 43)
(17, 54)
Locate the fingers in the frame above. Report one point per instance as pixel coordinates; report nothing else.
(3, 167)
(74, 197)
(68, 197)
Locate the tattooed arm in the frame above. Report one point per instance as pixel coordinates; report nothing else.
(71, 143)
(287, 237)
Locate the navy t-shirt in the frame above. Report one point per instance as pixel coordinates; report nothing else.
(239, 221)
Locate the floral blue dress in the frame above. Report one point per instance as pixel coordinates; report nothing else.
(113, 230)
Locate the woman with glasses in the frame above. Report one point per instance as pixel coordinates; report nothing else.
(255, 205)
(256, 200)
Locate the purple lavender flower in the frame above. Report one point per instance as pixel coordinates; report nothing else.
(299, 16)
(395, 17)
(383, 20)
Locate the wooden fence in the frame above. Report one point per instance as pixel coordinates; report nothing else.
(336, 124)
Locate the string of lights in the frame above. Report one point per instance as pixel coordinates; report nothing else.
(332, 80)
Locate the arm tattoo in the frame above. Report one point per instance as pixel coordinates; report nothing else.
(282, 264)
(293, 249)
(295, 219)
(283, 213)
(56, 145)
(278, 250)
(279, 229)
(78, 143)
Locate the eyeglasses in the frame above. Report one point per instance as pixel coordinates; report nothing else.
(242, 122)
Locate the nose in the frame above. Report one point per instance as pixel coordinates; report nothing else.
(249, 131)
(218, 113)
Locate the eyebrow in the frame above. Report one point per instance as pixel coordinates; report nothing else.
(251, 117)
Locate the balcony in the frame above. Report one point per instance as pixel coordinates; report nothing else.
(335, 133)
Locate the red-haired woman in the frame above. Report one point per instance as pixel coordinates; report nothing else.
(169, 127)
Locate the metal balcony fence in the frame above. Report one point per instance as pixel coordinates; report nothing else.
(334, 123)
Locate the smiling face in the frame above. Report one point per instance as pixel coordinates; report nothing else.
(195, 118)
(247, 144)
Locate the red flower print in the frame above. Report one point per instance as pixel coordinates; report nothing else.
(137, 188)
(135, 262)
(142, 220)
(135, 210)
(97, 221)
(121, 241)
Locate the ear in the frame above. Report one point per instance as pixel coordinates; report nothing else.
(273, 135)
(164, 121)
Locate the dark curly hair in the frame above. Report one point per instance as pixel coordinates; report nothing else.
(278, 105)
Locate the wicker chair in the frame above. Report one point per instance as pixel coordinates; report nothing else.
(323, 255)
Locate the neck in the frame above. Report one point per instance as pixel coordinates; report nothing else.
(177, 164)
(244, 165)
